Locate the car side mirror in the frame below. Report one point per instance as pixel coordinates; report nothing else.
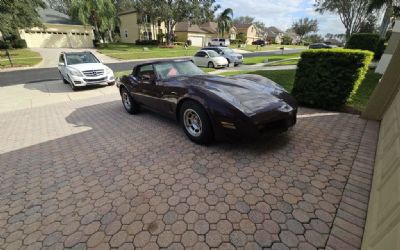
(61, 64)
(147, 79)
(207, 56)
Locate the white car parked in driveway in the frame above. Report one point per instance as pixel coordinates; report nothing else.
(210, 59)
(219, 42)
(81, 69)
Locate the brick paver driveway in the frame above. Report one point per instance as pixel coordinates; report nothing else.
(85, 174)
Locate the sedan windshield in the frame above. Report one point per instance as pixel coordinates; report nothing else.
(212, 53)
(227, 50)
(80, 58)
(174, 69)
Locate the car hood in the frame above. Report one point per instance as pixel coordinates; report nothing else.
(248, 96)
(87, 66)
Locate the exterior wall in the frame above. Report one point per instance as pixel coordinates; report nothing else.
(59, 36)
(387, 56)
(251, 34)
(383, 220)
(129, 28)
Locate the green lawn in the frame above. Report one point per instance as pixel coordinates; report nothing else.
(20, 58)
(286, 79)
(286, 62)
(131, 51)
(254, 48)
(272, 58)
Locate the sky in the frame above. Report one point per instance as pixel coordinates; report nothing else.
(282, 13)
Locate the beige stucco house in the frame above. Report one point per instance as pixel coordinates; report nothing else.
(131, 29)
(200, 35)
(275, 35)
(249, 30)
(59, 32)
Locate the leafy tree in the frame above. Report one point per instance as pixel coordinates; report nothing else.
(287, 40)
(305, 26)
(15, 14)
(262, 30)
(392, 8)
(59, 5)
(225, 21)
(241, 37)
(369, 25)
(352, 13)
(243, 20)
(101, 14)
(314, 38)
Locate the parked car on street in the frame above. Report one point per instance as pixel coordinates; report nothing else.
(219, 42)
(320, 46)
(207, 106)
(81, 69)
(259, 42)
(228, 53)
(210, 59)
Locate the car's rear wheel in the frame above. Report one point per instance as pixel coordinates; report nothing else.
(211, 65)
(229, 62)
(195, 123)
(129, 104)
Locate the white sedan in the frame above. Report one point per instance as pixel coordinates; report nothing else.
(210, 59)
(81, 69)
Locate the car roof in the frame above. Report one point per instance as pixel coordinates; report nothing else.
(162, 61)
(75, 52)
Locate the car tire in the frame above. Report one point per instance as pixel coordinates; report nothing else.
(229, 62)
(211, 65)
(130, 105)
(63, 79)
(111, 83)
(200, 133)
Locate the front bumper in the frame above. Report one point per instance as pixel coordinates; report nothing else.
(89, 81)
(269, 123)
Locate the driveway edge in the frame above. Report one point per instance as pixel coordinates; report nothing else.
(348, 227)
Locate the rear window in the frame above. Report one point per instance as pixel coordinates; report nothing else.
(222, 40)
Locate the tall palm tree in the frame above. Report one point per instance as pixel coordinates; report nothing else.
(389, 5)
(101, 14)
(225, 21)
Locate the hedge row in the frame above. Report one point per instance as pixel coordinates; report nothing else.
(367, 41)
(328, 78)
(16, 44)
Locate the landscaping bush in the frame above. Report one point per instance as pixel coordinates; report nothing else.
(4, 44)
(147, 42)
(328, 78)
(19, 44)
(189, 42)
(367, 41)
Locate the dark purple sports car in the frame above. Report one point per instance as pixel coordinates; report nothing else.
(209, 107)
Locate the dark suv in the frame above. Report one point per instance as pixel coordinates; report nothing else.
(320, 46)
(259, 42)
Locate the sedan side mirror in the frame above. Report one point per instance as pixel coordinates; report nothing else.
(147, 79)
(207, 56)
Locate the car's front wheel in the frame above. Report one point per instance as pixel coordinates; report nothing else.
(129, 104)
(211, 65)
(195, 123)
(63, 79)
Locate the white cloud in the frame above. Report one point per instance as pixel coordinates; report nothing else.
(283, 13)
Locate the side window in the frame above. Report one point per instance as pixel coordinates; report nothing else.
(146, 72)
(222, 40)
(61, 59)
(199, 54)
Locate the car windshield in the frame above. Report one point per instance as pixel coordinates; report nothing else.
(212, 53)
(227, 50)
(174, 69)
(80, 58)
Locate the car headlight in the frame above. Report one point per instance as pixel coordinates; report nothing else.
(75, 72)
(109, 71)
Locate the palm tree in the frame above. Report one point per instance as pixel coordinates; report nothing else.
(101, 14)
(225, 21)
(379, 4)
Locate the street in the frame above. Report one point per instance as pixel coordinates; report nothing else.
(50, 74)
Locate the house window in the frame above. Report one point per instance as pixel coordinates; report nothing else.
(126, 33)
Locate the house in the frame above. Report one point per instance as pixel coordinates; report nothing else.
(275, 35)
(295, 38)
(134, 27)
(59, 31)
(249, 30)
(200, 35)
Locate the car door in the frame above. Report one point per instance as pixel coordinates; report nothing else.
(201, 59)
(62, 66)
(149, 93)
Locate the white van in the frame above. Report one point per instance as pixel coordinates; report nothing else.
(219, 42)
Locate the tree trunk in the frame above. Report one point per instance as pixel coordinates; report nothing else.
(386, 21)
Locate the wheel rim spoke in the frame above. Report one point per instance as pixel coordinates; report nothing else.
(192, 122)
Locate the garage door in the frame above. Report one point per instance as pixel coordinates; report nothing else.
(197, 41)
(43, 39)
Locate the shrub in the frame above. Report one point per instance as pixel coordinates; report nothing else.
(4, 44)
(367, 41)
(96, 43)
(328, 78)
(147, 42)
(189, 42)
(235, 42)
(19, 44)
(287, 40)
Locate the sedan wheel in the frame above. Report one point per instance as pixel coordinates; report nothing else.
(196, 123)
(211, 65)
(129, 104)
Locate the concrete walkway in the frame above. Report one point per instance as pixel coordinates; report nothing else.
(50, 56)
